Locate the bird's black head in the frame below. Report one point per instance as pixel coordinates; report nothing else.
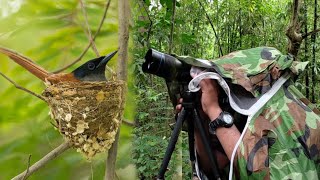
(93, 70)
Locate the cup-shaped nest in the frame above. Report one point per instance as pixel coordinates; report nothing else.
(87, 114)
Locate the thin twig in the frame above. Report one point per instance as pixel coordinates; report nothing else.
(172, 25)
(310, 33)
(128, 123)
(150, 25)
(141, 3)
(54, 125)
(89, 45)
(94, 47)
(214, 30)
(24, 177)
(45, 160)
(91, 166)
(22, 88)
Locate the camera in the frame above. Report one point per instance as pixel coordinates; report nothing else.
(175, 72)
(166, 66)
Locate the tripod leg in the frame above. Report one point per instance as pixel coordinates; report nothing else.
(206, 143)
(191, 145)
(172, 144)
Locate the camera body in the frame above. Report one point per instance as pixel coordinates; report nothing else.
(175, 72)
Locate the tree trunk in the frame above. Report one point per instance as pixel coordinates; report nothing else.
(172, 26)
(306, 48)
(293, 31)
(264, 32)
(218, 29)
(240, 28)
(313, 41)
(228, 34)
(124, 14)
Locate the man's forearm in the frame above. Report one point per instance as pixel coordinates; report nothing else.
(228, 137)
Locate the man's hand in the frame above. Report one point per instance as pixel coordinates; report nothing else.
(210, 105)
(210, 97)
(179, 105)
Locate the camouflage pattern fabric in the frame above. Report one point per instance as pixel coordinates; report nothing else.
(254, 69)
(283, 138)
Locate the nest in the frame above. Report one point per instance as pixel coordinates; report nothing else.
(87, 114)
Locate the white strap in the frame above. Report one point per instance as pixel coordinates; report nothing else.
(255, 108)
(194, 87)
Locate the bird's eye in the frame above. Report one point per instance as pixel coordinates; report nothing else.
(91, 66)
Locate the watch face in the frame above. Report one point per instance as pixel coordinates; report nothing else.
(228, 118)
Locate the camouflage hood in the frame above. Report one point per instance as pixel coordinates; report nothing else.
(254, 69)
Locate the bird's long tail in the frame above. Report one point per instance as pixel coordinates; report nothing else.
(26, 63)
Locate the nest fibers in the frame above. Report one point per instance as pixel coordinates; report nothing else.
(87, 114)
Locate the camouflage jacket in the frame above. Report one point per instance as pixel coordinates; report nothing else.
(283, 137)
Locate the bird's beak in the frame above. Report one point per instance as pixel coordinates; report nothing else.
(106, 59)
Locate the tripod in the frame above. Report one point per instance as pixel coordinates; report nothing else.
(188, 108)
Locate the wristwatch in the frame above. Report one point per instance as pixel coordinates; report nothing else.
(223, 120)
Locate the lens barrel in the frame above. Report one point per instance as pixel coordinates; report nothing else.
(161, 64)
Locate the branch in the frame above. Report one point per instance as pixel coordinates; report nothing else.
(123, 38)
(172, 25)
(24, 177)
(94, 47)
(296, 8)
(151, 23)
(293, 31)
(89, 45)
(22, 88)
(91, 168)
(54, 125)
(214, 30)
(45, 160)
(310, 33)
(128, 123)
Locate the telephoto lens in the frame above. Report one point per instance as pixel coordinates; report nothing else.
(162, 65)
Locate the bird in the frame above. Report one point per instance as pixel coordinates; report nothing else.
(92, 70)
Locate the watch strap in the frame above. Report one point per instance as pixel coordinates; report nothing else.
(219, 122)
(213, 125)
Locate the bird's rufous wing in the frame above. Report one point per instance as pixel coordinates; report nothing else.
(61, 77)
(25, 62)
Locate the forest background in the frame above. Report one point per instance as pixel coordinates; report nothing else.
(208, 29)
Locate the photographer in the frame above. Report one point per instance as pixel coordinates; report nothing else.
(274, 149)
(257, 120)
(228, 138)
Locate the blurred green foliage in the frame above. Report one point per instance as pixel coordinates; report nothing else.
(53, 34)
